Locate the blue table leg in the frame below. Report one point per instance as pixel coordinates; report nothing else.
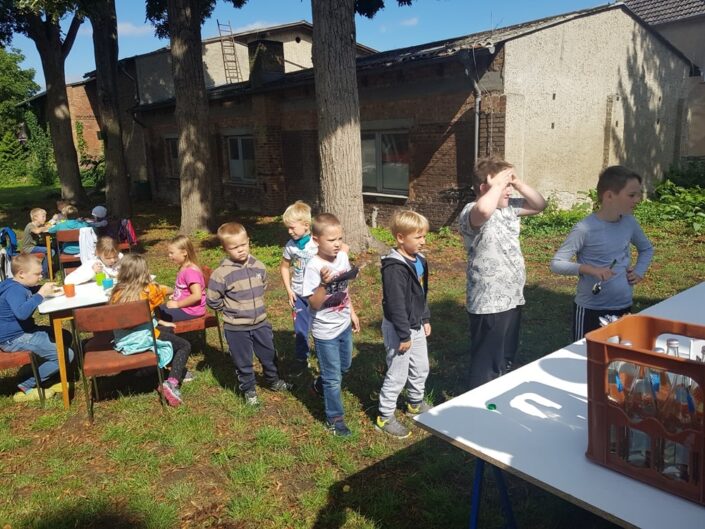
(504, 499)
(476, 493)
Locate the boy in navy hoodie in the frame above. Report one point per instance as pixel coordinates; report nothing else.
(19, 298)
(405, 325)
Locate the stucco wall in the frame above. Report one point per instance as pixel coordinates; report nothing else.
(689, 37)
(594, 91)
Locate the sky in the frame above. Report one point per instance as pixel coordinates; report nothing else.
(393, 27)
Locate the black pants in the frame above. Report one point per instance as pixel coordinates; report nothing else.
(242, 344)
(494, 340)
(182, 350)
(174, 315)
(586, 320)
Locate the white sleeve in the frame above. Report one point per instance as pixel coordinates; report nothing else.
(82, 274)
(286, 253)
(312, 279)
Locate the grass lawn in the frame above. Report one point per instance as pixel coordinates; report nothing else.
(216, 463)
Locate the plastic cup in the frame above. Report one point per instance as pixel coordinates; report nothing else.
(108, 283)
(99, 276)
(69, 290)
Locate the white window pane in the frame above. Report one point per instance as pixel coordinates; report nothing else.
(369, 163)
(395, 162)
(249, 170)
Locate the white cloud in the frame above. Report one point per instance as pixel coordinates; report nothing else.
(254, 25)
(383, 29)
(410, 21)
(128, 29)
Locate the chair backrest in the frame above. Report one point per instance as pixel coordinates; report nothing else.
(206, 274)
(67, 235)
(112, 317)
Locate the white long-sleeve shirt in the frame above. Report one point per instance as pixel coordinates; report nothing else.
(85, 273)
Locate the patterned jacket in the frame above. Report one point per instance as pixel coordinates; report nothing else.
(237, 291)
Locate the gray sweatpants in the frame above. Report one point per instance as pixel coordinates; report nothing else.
(408, 369)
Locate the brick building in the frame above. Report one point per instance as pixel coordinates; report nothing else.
(560, 97)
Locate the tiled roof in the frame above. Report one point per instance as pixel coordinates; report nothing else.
(663, 11)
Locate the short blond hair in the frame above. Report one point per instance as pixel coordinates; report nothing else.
(488, 166)
(299, 211)
(36, 211)
(70, 212)
(323, 221)
(405, 221)
(106, 246)
(230, 229)
(23, 262)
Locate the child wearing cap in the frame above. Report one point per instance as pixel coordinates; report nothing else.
(100, 217)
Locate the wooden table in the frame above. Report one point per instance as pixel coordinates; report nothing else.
(539, 433)
(60, 309)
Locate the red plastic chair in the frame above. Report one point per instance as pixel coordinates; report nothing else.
(97, 356)
(17, 359)
(202, 322)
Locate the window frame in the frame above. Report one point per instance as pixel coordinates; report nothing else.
(234, 179)
(172, 164)
(380, 190)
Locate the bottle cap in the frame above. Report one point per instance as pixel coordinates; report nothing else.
(672, 342)
(491, 406)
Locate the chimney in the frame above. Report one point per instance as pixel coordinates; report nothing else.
(266, 61)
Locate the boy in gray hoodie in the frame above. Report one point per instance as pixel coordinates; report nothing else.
(405, 325)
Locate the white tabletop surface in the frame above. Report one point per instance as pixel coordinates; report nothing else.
(539, 432)
(87, 294)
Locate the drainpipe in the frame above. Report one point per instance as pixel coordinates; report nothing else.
(478, 99)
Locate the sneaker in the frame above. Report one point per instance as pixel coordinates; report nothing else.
(251, 398)
(415, 408)
(190, 376)
(508, 366)
(338, 427)
(317, 386)
(301, 367)
(392, 427)
(171, 393)
(280, 385)
(32, 395)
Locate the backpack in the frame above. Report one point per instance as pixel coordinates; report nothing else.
(8, 240)
(126, 232)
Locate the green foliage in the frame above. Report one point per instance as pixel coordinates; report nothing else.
(690, 173)
(554, 221)
(92, 167)
(16, 85)
(13, 160)
(682, 204)
(40, 165)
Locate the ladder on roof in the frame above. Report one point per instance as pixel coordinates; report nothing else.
(231, 66)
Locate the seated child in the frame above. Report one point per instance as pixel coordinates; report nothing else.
(188, 299)
(71, 223)
(58, 216)
(333, 318)
(134, 283)
(107, 260)
(33, 240)
(601, 245)
(297, 253)
(19, 297)
(100, 217)
(236, 289)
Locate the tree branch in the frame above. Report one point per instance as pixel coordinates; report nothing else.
(71, 35)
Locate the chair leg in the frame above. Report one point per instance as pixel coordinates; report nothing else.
(160, 376)
(35, 372)
(89, 397)
(95, 388)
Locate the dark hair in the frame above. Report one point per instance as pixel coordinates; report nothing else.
(488, 166)
(614, 178)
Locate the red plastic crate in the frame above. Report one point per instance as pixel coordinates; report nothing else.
(607, 420)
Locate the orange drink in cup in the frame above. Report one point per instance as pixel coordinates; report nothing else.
(69, 290)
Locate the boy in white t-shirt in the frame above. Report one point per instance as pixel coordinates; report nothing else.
(333, 317)
(298, 251)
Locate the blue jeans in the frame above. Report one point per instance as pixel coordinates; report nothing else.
(45, 261)
(42, 343)
(334, 359)
(302, 327)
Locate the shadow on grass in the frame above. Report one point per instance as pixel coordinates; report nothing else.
(96, 514)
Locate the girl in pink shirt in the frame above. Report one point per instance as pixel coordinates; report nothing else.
(188, 299)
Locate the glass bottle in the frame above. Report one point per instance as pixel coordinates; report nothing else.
(639, 403)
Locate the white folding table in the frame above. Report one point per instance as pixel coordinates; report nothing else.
(538, 432)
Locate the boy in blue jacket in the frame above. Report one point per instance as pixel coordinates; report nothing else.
(19, 298)
(406, 322)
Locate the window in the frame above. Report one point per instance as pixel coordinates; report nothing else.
(241, 159)
(385, 162)
(172, 157)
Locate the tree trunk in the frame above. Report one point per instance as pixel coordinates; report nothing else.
(191, 114)
(105, 47)
(338, 111)
(52, 52)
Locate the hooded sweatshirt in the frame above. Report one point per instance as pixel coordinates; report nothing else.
(404, 297)
(237, 291)
(17, 304)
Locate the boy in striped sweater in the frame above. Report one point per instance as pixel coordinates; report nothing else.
(236, 289)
